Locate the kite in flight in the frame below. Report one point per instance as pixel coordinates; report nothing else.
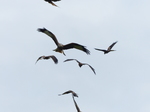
(48, 57)
(108, 49)
(80, 64)
(61, 47)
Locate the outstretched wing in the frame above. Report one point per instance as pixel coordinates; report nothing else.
(69, 60)
(75, 60)
(91, 68)
(53, 58)
(100, 49)
(48, 57)
(110, 47)
(78, 109)
(47, 32)
(76, 46)
(70, 91)
(41, 57)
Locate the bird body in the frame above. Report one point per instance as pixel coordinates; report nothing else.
(61, 47)
(48, 57)
(109, 49)
(81, 64)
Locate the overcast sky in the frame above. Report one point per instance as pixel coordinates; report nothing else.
(122, 80)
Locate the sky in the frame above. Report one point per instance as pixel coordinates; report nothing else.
(122, 79)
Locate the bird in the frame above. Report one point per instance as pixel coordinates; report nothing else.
(61, 47)
(51, 2)
(48, 57)
(70, 91)
(78, 109)
(108, 49)
(80, 64)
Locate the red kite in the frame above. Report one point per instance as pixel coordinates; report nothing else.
(61, 47)
(108, 49)
(80, 64)
(48, 57)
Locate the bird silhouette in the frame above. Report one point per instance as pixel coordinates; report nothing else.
(51, 2)
(81, 64)
(48, 57)
(108, 49)
(61, 47)
(70, 91)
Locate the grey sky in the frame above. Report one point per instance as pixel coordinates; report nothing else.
(122, 79)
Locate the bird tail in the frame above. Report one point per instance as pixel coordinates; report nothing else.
(53, 4)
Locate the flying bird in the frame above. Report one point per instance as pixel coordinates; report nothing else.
(70, 91)
(61, 47)
(48, 57)
(51, 2)
(108, 49)
(78, 109)
(80, 64)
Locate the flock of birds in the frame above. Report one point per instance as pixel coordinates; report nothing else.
(60, 48)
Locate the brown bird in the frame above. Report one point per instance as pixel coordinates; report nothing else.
(108, 49)
(70, 91)
(61, 47)
(48, 57)
(80, 64)
(51, 2)
(78, 109)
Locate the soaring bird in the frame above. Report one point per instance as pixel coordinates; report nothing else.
(51, 2)
(80, 64)
(48, 57)
(78, 109)
(61, 47)
(70, 91)
(108, 49)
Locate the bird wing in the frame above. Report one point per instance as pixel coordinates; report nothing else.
(39, 59)
(70, 91)
(110, 47)
(76, 46)
(78, 109)
(90, 67)
(53, 58)
(100, 49)
(48, 57)
(69, 60)
(47, 32)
